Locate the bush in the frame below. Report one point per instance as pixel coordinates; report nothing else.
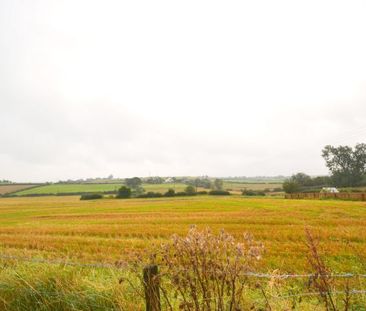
(202, 192)
(170, 193)
(91, 196)
(219, 192)
(203, 265)
(181, 194)
(150, 195)
(253, 193)
(123, 193)
(291, 186)
(190, 190)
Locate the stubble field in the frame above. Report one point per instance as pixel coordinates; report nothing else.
(109, 229)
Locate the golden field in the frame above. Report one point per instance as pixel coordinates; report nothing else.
(10, 188)
(109, 229)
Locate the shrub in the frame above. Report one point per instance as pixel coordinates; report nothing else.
(207, 271)
(170, 193)
(291, 186)
(91, 196)
(190, 190)
(202, 192)
(180, 194)
(123, 193)
(219, 192)
(253, 193)
(150, 195)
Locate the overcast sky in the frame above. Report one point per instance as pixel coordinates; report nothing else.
(92, 88)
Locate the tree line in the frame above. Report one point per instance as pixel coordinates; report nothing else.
(346, 165)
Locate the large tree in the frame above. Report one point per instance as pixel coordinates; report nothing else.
(296, 183)
(218, 184)
(346, 164)
(302, 179)
(133, 183)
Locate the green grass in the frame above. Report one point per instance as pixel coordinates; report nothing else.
(70, 188)
(77, 188)
(235, 187)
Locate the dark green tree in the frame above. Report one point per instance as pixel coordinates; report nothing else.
(346, 164)
(190, 190)
(133, 183)
(290, 186)
(124, 193)
(302, 179)
(170, 193)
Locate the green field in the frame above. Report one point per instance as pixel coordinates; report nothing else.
(70, 188)
(77, 188)
(235, 187)
(238, 187)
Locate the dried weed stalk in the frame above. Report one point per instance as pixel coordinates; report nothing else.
(322, 280)
(207, 271)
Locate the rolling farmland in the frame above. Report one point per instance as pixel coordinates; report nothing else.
(105, 230)
(50, 229)
(10, 188)
(239, 186)
(69, 188)
(234, 187)
(79, 188)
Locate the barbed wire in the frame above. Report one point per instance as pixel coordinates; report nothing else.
(289, 276)
(350, 292)
(310, 294)
(119, 264)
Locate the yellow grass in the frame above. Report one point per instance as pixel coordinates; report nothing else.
(110, 229)
(12, 188)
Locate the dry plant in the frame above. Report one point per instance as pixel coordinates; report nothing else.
(322, 280)
(208, 271)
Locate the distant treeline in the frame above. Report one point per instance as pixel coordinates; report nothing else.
(347, 167)
(301, 182)
(5, 181)
(127, 193)
(13, 195)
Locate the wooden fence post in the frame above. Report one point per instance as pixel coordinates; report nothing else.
(151, 286)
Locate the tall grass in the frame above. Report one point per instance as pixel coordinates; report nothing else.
(48, 287)
(201, 271)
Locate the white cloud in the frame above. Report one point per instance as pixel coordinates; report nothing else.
(89, 88)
